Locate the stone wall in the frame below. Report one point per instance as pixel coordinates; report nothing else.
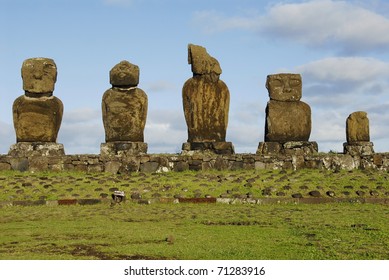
(197, 162)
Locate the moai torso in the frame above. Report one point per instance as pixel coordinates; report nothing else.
(206, 98)
(287, 118)
(357, 127)
(38, 114)
(124, 106)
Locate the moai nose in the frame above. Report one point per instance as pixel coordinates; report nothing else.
(287, 87)
(38, 72)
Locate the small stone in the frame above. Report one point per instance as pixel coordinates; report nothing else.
(314, 193)
(330, 193)
(360, 193)
(374, 193)
(136, 196)
(297, 195)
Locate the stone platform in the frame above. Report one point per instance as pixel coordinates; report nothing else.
(123, 148)
(302, 148)
(220, 148)
(361, 148)
(31, 149)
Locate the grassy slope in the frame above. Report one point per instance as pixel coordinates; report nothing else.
(255, 183)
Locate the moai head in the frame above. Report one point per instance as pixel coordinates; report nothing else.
(284, 87)
(39, 75)
(202, 63)
(124, 74)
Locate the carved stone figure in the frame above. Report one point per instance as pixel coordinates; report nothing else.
(206, 101)
(358, 135)
(284, 87)
(357, 127)
(37, 114)
(288, 120)
(124, 109)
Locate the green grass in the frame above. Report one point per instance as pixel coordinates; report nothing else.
(188, 231)
(230, 184)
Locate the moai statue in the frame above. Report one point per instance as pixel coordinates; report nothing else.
(206, 101)
(357, 135)
(124, 108)
(288, 120)
(37, 114)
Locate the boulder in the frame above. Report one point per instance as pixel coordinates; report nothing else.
(287, 121)
(284, 87)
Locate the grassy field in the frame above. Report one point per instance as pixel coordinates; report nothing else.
(230, 184)
(195, 231)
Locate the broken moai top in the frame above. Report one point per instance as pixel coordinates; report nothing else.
(357, 127)
(124, 106)
(39, 76)
(284, 87)
(206, 98)
(124, 74)
(202, 63)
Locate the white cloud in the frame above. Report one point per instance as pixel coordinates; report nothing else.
(344, 82)
(339, 25)
(345, 69)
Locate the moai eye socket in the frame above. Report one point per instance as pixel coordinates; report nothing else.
(276, 83)
(294, 82)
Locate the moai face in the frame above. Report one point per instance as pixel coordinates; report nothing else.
(202, 63)
(39, 75)
(124, 74)
(284, 87)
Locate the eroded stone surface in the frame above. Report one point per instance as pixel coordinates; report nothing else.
(39, 75)
(37, 115)
(206, 107)
(124, 74)
(362, 148)
(37, 119)
(124, 114)
(122, 148)
(287, 121)
(206, 98)
(284, 87)
(357, 127)
(36, 149)
(202, 63)
(124, 106)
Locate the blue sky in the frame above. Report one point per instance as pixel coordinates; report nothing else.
(339, 47)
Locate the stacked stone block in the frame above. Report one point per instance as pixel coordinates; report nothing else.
(288, 120)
